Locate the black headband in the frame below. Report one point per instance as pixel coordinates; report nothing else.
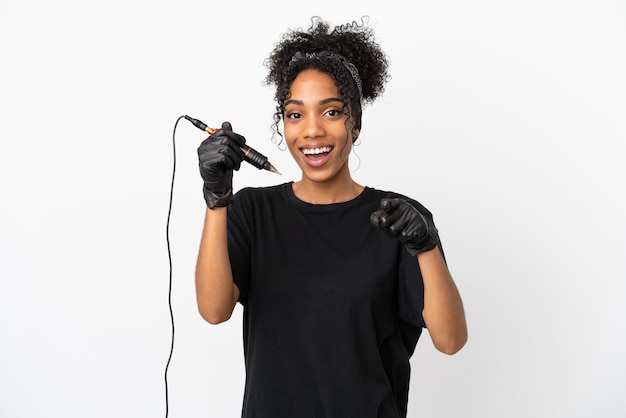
(298, 56)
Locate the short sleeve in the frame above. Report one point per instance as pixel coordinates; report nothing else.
(411, 291)
(239, 243)
(410, 300)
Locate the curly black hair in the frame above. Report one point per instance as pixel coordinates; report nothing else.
(355, 41)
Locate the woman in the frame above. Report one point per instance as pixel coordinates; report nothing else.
(336, 279)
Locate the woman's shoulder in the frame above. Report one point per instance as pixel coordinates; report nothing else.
(261, 190)
(261, 194)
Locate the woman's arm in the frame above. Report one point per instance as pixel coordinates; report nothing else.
(443, 309)
(218, 155)
(216, 292)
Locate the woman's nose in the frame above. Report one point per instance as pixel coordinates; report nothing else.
(313, 127)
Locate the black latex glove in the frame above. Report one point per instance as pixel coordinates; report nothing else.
(402, 221)
(219, 155)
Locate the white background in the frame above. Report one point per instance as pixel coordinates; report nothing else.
(506, 119)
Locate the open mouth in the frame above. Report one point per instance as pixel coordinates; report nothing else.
(316, 152)
(317, 156)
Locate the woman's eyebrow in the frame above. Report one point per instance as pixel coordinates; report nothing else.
(301, 103)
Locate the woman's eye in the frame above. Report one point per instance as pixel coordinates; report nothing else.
(293, 115)
(333, 113)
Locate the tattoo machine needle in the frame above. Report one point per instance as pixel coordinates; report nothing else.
(251, 155)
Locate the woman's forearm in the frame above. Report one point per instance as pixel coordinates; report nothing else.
(443, 309)
(215, 291)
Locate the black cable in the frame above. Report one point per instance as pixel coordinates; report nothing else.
(169, 254)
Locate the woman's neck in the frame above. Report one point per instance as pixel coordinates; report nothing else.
(320, 193)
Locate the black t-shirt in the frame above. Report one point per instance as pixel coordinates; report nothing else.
(332, 306)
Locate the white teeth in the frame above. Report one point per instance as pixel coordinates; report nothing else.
(321, 150)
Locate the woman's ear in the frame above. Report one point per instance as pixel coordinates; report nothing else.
(355, 134)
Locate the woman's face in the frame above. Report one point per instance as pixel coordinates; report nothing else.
(315, 124)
